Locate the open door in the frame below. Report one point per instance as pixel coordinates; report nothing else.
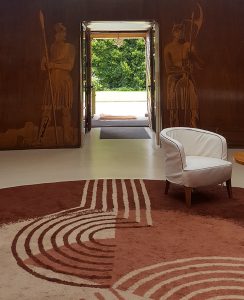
(158, 110)
(150, 78)
(153, 80)
(82, 98)
(86, 97)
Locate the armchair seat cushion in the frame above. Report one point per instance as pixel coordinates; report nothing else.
(202, 171)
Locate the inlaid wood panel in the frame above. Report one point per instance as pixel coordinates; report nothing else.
(218, 80)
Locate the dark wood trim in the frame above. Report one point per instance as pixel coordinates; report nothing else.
(115, 35)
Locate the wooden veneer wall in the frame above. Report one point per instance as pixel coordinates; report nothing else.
(220, 44)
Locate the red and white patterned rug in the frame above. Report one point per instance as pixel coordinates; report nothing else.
(120, 239)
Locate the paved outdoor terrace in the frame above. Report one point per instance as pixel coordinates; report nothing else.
(121, 103)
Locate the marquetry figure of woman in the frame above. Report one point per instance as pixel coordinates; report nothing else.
(181, 90)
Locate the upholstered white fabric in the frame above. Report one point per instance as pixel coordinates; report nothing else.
(201, 171)
(195, 157)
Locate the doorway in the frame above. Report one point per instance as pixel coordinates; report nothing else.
(116, 34)
(119, 79)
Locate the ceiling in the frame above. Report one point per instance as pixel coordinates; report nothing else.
(107, 26)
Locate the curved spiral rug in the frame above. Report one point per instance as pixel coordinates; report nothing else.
(120, 239)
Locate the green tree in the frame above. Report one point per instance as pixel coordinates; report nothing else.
(119, 68)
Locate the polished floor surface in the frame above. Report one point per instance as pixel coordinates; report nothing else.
(96, 159)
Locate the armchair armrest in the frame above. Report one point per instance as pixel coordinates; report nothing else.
(175, 159)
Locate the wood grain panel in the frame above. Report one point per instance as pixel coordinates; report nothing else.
(220, 44)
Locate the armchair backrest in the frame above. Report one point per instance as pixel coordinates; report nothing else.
(199, 142)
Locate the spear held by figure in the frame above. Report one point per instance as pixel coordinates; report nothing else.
(49, 74)
(198, 23)
(187, 99)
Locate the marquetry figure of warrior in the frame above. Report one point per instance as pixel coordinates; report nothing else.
(60, 96)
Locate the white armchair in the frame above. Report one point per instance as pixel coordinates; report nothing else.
(195, 158)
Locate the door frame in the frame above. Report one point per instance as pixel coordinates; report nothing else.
(156, 84)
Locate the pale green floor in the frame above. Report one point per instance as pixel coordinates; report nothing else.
(97, 159)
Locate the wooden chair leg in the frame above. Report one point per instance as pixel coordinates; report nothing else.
(188, 191)
(166, 187)
(229, 188)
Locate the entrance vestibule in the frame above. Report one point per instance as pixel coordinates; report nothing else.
(144, 104)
